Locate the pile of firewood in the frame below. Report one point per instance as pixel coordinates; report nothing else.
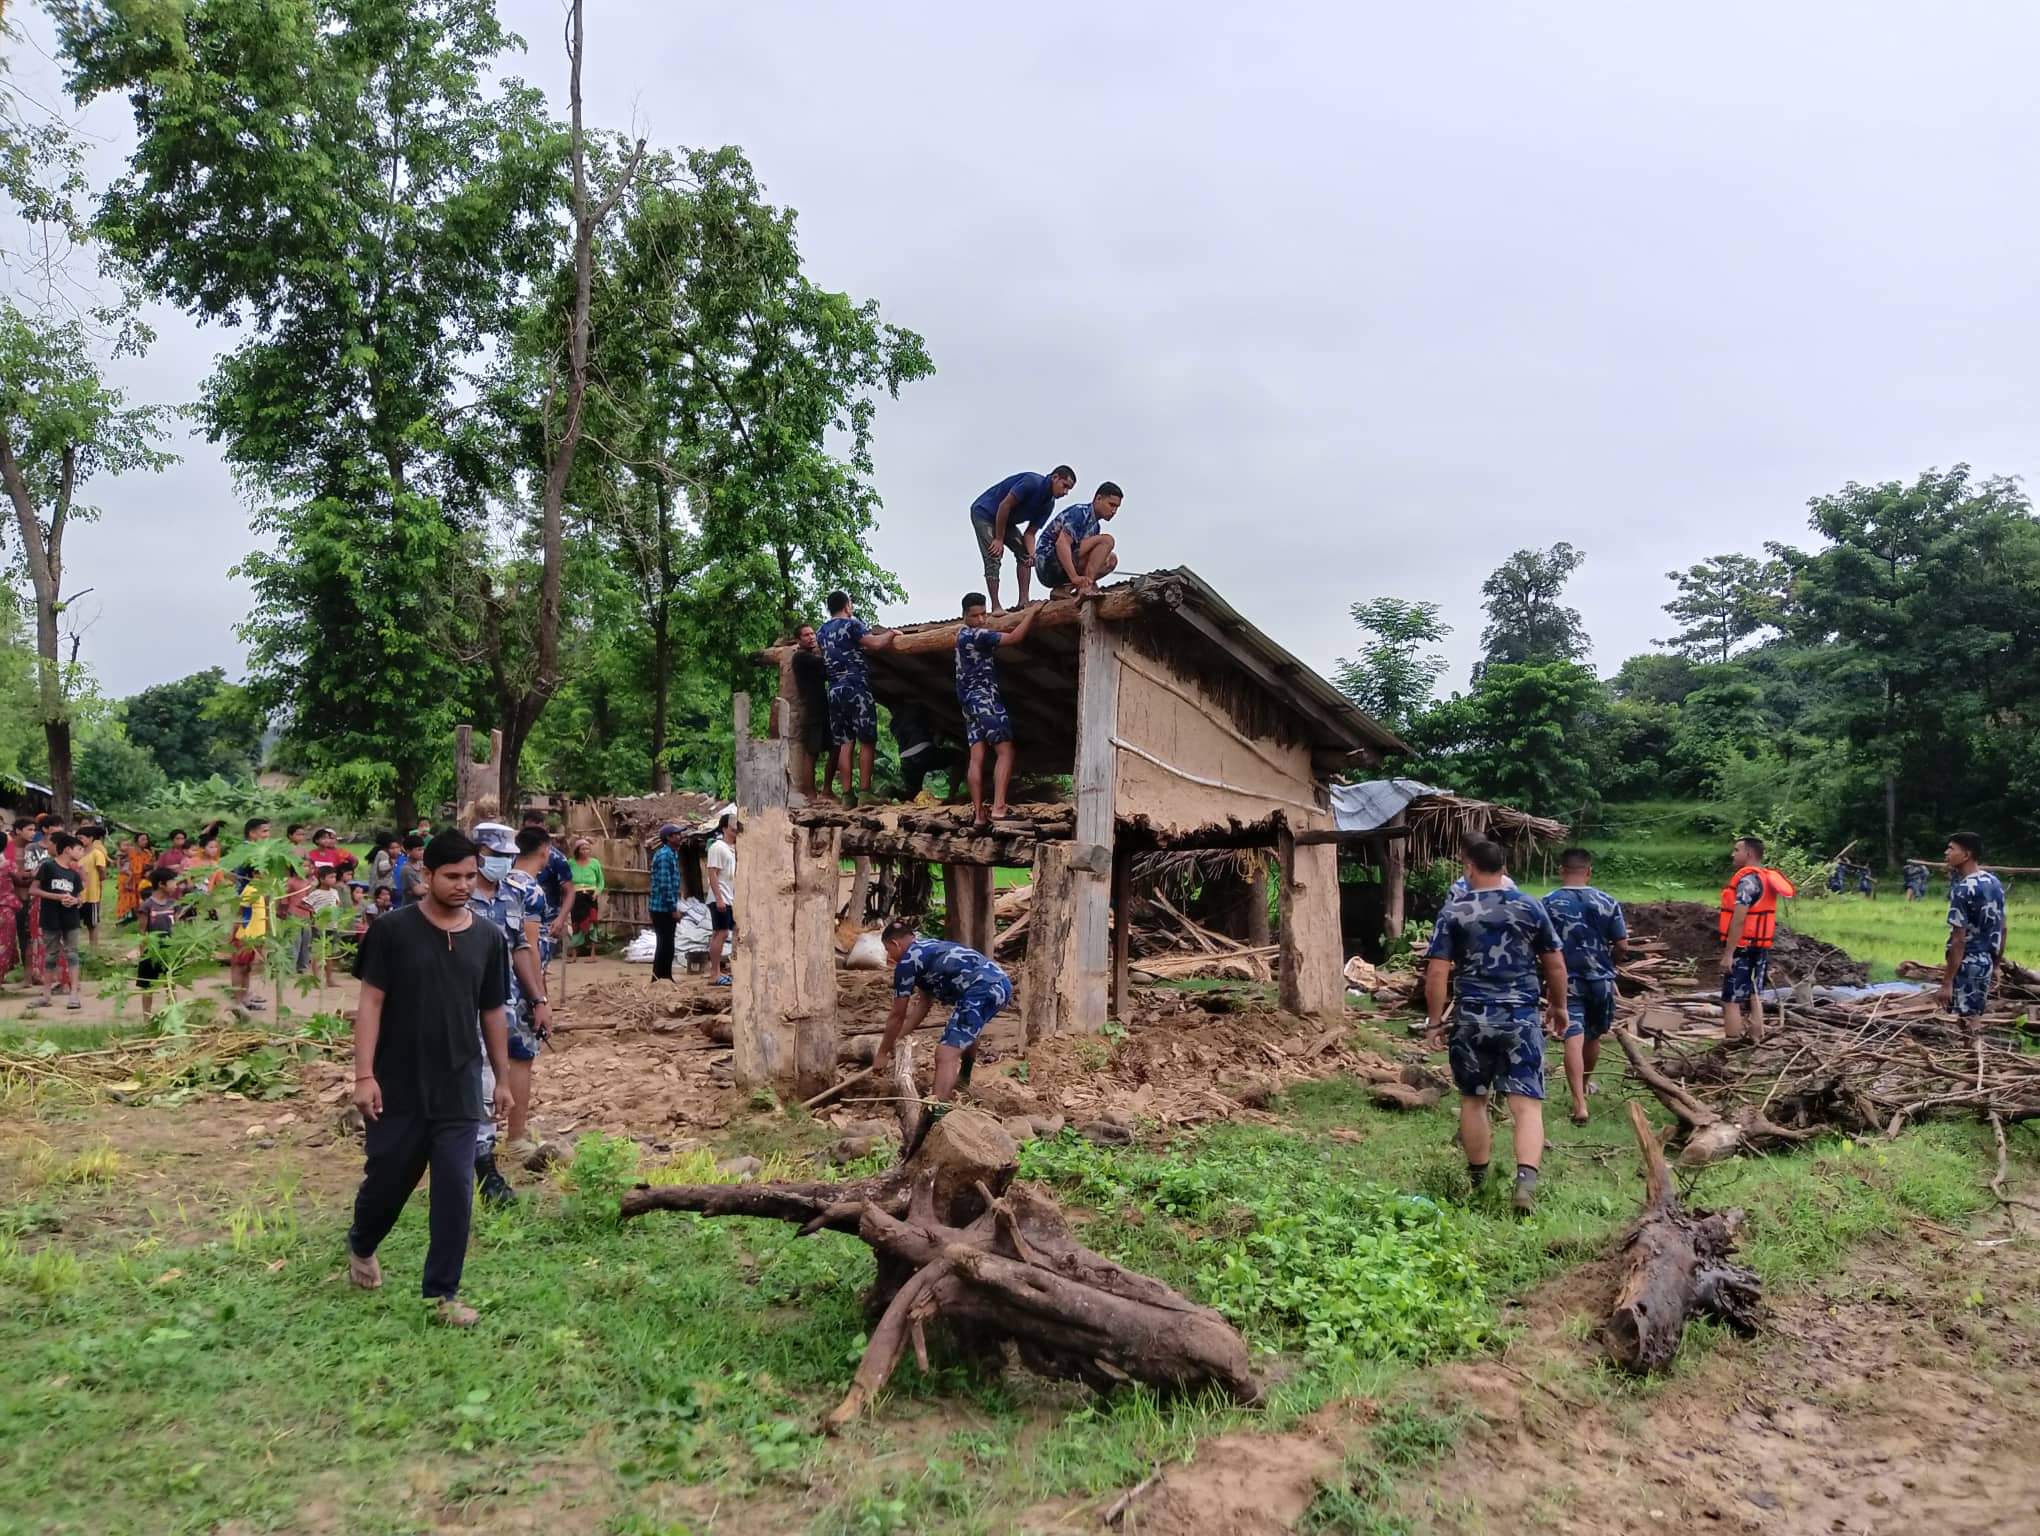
(1168, 944)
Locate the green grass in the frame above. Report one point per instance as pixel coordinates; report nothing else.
(643, 1377)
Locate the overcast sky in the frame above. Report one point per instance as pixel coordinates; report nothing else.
(1353, 300)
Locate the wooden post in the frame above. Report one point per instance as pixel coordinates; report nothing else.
(1257, 902)
(472, 780)
(1122, 928)
(761, 762)
(1312, 956)
(860, 890)
(1394, 875)
(783, 967)
(967, 905)
(1048, 941)
(1086, 978)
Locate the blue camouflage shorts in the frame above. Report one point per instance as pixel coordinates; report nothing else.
(852, 714)
(1746, 975)
(523, 1038)
(1590, 1009)
(986, 722)
(975, 1009)
(1497, 1047)
(1972, 986)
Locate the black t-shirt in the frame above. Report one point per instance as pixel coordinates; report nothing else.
(436, 986)
(53, 879)
(812, 678)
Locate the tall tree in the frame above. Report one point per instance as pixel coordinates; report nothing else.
(1526, 620)
(1722, 601)
(1922, 607)
(1392, 678)
(341, 179)
(1523, 735)
(61, 425)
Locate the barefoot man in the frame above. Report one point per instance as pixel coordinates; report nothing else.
(1074, 550)
(428, 972)
(1595, 939)
(985, 721)
(1490, 946)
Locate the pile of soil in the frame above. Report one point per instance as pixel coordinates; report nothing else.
(1692, 932)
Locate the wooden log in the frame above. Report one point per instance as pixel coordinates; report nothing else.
(939, 640)
(1680, 1266)
(1084, 979)
(1005, 851)
(1048, 942)
(1122, 928)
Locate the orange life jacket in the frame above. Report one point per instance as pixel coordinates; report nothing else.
(1760, 928)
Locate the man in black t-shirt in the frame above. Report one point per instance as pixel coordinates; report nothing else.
(428, 973)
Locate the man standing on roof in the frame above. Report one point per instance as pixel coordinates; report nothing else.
(1749, 927)
(985, 721)
(1976, 929)
(1074, 551)
(1008, 514)
(853, 713)
(1595, 939)
(1496, 949)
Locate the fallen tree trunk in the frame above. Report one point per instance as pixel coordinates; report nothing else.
(1681, 1265)
(1705, 1135)
(957, 1241)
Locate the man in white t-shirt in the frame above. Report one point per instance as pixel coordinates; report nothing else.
(722, 896)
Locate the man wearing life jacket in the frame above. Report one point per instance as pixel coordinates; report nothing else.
(1749, 927)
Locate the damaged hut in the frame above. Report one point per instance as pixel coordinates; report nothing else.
(1181, 725)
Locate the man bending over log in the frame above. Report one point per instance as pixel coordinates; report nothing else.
(1489, 946)
(985, 721)
(927, 971)
(1594, 938)
(1074, 550)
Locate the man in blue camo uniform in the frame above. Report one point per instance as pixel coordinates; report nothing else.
(1915, 880)
(927, 971)
(512, 902)
(1074, 551)
(1595, 939)
(985, 721)
(1491, 948)
(853, 713)
(1976, 929)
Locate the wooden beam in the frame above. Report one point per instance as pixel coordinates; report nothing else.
(1386, 834)
(1083, 984)
(1286, 988)
(1112, 606)
(935, 848)
(1312, 956)
(1394, 877)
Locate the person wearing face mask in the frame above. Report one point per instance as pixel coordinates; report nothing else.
(513, 903)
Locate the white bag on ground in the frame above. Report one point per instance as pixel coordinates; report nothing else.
(867, 953)
(690, 934)
(640, 949)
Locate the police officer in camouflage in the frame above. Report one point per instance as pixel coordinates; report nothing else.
(985, 721)
(1491, 949)
(1976, 929)
(1595, 939)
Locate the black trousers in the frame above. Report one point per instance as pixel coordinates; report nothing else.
(663, 924)
(400, 1148)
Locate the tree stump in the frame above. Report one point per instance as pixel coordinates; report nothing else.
(959, 1242)
(1680, 1266)
(1706, 1135)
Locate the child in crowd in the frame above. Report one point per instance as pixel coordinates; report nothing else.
(95, 867)
(158, 913)
(323, 903)
(60, 886)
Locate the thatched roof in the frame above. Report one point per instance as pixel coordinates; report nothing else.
(1440, 823)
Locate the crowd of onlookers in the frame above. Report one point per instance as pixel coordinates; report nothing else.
(56, 883)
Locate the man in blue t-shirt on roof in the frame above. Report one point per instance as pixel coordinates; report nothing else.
(1007, 515)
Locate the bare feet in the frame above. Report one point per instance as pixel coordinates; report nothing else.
(455, 1314)
(1000, 812)
(364, 1274)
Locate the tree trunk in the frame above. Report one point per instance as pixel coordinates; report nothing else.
(957, 1241)
(1680, 1266)
(662, 645)
(404, 807)
(1890, 820)
(517, 724)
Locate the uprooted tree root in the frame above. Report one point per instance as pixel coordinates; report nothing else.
(1681, 1265)
(959, 1242)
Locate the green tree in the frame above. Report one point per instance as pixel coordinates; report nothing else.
(354, 184)
(1919, 615)
(1722, 602)
(61, 425)
(195, 727)
(1522, 735)
(1392, 678)
(114, 773)
(1526, 620)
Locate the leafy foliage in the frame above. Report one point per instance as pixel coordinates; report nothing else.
(1722, 601)
(1391, 679)
(1521, 735)
(1526, 620)
(196, 726)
